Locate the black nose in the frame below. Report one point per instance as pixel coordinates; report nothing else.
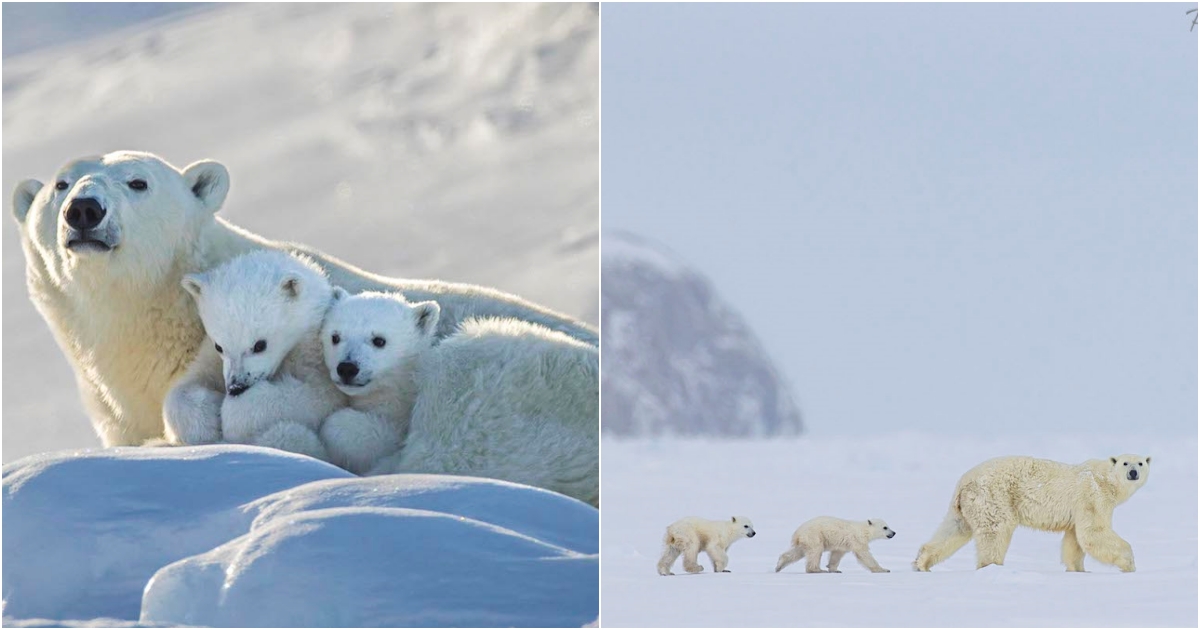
(237, 389)
(1133, 475)
(751, 534)
(890, 534)
(347, 370)
(84, 213)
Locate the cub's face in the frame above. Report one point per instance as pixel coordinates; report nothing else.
(880, 529)
(1131, 469)
(747, 528)
(125, 214)
(367, 337)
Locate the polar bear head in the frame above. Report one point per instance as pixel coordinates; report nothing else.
(371, 336)
(745, 526)
(256, 308)
(1130, 470)
(122, 216)
(879, 529)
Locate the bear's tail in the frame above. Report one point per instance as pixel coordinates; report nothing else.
(951, 535)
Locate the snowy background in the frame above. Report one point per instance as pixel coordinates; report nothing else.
(458, 142)
(427, 141)
(957, 232)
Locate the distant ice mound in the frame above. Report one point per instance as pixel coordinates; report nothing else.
(676, 358)
(243, 536)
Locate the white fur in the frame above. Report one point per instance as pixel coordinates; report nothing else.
(262, 312)
(122, 318)
(838, 537)
(691, 535)
(508, 400)
(993, 498)
(382, 391)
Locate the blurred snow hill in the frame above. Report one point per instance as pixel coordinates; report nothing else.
(243, 536)
(450, 141)
(676, 358)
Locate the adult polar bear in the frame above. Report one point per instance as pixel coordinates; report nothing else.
(107, 243)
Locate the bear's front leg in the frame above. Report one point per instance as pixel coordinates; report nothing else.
(357, 440)
(867, 560)
(269, 402)
(192, 414)
(719, 558)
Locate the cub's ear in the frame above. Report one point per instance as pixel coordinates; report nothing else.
(23, 198)
(291, 286)
(734, 519)
(427, 314)
(869, 522)
(339, 294)
(209, 182)
(193, 283)
(1114, 459)
(1147, 459)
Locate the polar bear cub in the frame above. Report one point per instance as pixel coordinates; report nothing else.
(264, 380)
(995, 497)
(691, 535)
(837, 536)
(372, 344)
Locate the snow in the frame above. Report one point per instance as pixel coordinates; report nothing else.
(906, 479)
(237, 535)
(448, 141)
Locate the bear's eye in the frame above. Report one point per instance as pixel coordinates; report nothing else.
(61, 185)
(218, 347)
(138, 184)
(259, 346)
(1139, 463)
(336, 339)
(1126, 463)
(379, 342)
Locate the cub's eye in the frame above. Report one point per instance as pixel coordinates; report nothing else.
(1139, 463)
(138, 184)
(1126, 463)
(379, 342)
(336, 339)
(218, 347)
(259, 346)
(60, 185)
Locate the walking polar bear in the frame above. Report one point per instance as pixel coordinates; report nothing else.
(993, 498)
(837, 536)
(691, 535)
(107, 243)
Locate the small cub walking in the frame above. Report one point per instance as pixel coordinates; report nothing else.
(837, 536)
(688, 536)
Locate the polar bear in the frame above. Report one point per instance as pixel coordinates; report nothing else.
(690, 535)
(107, 243)
(262, 312)
(499, 398)
(837, 536)
(373, 344)
(993, 498)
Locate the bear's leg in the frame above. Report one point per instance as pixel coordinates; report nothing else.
(835, 558)
(865, 558)
(1072, 553)
(952, 534)
(293, 438)
(691, 551)
(192, 414)
(812, 563)
(718, 556)
(991, 544)
(789, 557)
(670, 553)
(357, 440)
(1103, 544)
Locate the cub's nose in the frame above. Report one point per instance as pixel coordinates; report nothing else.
(891, 534)
(751, 534)
(1133, 475)
(347, 370)
(84, 213)
(236, 389)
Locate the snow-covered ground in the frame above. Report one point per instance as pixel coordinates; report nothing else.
(452, 141)
(907, 480)
(244, 536)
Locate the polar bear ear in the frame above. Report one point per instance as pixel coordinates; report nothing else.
(1114, 459)
(23, 198)
(291, 286)
(733, 518)
(193, 283)
(339, 294)
(1147, 459)
(209, 182)
(427, 316)
(869, 523)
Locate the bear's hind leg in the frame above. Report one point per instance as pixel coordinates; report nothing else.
(835, 559)
(991, 545)
(691, 552)
(789, 557)
(670, 553)
(1072, 553)
(952, 534)
(812, 563)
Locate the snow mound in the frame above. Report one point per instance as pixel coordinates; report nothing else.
(236, 535)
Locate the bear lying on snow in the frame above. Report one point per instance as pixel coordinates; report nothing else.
(837, 536)
(993, 498)
(107, 243)
(690, 535)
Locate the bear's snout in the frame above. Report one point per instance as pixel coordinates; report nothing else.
(347, 370)
(891, 534)
(750, 535)
(237, 389)
(84, 213)
(1133, 475)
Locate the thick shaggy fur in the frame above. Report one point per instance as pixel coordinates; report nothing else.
(508, 400)
(382, 387)
(691, 535)
(262, 312)
(837, 536)
(993, 498)
(116, 306)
